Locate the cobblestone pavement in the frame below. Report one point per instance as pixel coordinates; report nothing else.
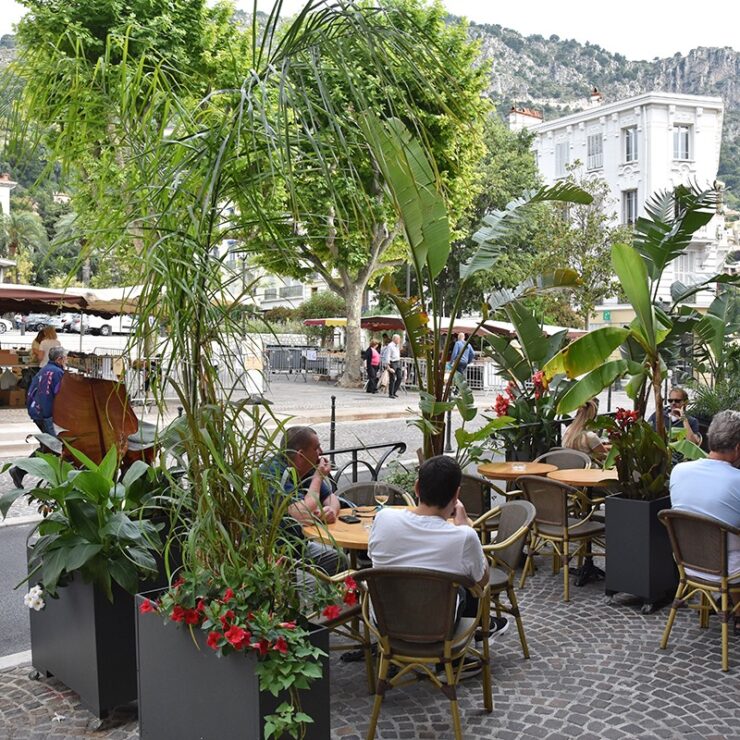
(596, 672)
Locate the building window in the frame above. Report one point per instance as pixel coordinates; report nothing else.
(561, 158)
(682, 142)
(630, 144)
(685, 267)
(594, 152)
(629, 207)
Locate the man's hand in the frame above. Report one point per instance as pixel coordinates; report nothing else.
(459, 515)
(323, 467)
(328, 514)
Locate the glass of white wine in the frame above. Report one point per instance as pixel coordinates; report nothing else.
(382, 494)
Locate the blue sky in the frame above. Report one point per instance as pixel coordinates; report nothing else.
(639, 29)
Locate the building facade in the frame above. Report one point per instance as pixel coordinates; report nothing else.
(639, 146)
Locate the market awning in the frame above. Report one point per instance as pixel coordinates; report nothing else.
(27, 298)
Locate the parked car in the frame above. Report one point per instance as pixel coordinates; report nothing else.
(5, 325)
(67, 321)
(98, 325)
(37, 321)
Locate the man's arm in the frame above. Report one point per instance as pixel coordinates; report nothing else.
(309, 508)
(691, 427)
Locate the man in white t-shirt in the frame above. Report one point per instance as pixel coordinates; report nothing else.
(711, 487)
(424, 538)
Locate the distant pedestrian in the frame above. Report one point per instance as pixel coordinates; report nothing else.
(373, 366)
(45, 340)
(18, 319)
(393, 363)
(466, 353)
(40, 400)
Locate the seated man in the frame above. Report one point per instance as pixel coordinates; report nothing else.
(674, 416)
(711, 487)
(424, 538)
(300, 472)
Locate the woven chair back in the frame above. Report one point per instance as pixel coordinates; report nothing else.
(549, 497)
(698, 542)
(565, 459)
(363, 494)
(475, 494)
(413, 604)
(514, 515)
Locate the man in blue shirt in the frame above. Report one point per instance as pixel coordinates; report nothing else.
(711, 487)
(40, 400)
(466, 357)
(674, 417)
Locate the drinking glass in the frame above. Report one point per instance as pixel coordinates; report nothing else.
(382, 495)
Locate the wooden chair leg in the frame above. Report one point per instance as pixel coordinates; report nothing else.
(527, 566)
(517, 616)
(704, 612)
(379, 693)
(672, 616)
(451, 692)
(725, 628)
(566, 571)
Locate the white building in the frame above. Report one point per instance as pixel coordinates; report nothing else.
(6, 185)
(641, 145)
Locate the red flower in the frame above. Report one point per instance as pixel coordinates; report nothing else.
(287, 625)
(281, 645)
(332, 611)
(228, 595)
(178, 614)
(262, 647)
(147, 606)
(501, 405)
(201, 605)
(178, 582)
(238, 637)
(510, 390)
(213, 639)
(192, 616)
(350, 598)
(350, 583)
(227, 618)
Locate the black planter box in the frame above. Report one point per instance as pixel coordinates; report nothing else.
(186, 692)
(89, 644)
(639, 558)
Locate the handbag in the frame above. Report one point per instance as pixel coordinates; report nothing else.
(385, 377)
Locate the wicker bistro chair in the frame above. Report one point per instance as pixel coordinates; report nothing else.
(504, 553)
(348, 624)
(564, 458)
(413, 620)
(700, 549)
(555, 527)
(363, 494)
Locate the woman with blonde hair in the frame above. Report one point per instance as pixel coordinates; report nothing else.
(577, 437)
(45, 340)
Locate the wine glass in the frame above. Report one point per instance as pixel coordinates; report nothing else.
(382, 494)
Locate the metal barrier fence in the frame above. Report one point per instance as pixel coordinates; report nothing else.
(300, 362)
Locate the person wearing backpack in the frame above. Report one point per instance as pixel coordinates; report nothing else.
(466, 357)
(40, 400)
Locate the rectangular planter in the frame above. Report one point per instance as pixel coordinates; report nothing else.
(89, 643)
(639, 557)
(186, 691)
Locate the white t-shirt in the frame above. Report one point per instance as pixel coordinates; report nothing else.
(403, 539)
(710, 488)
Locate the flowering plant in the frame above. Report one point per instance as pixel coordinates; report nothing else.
(33, 599)
(639, 453)
(233, 621)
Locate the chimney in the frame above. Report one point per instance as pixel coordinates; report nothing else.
(596, 98)
(522, 118)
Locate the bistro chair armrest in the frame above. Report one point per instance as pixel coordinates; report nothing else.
(408, 499)
(326, 578)
(521, 532)
(516, 493)
(483, 518)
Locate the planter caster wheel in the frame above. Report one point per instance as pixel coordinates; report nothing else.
(35, 675)
(648, 608)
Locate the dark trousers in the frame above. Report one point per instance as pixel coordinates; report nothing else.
(372, 378)
(395, 380)
(46, 426)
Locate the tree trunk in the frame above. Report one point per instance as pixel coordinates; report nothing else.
(352, 362)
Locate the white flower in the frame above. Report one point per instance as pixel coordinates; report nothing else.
(33, 599)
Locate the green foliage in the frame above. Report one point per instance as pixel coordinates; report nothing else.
(98, 525)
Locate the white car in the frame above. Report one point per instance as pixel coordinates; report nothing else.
(5, 325)
(91, 324)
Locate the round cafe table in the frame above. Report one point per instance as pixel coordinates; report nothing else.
(585, 477)
(512, 470)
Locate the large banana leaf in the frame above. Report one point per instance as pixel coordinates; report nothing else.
(532, 339)
(681, 292)
(555, 280)
(413, 186)
(508, 358)
(672, 218)
(587, 352)
(592, 384)
(633, 278)
(498, 226)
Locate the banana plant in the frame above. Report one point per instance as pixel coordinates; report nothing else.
(672, 219)
(413, 184)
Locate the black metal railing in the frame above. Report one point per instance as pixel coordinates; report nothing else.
(355, 462)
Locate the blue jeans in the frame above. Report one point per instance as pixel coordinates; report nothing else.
(46, 425)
